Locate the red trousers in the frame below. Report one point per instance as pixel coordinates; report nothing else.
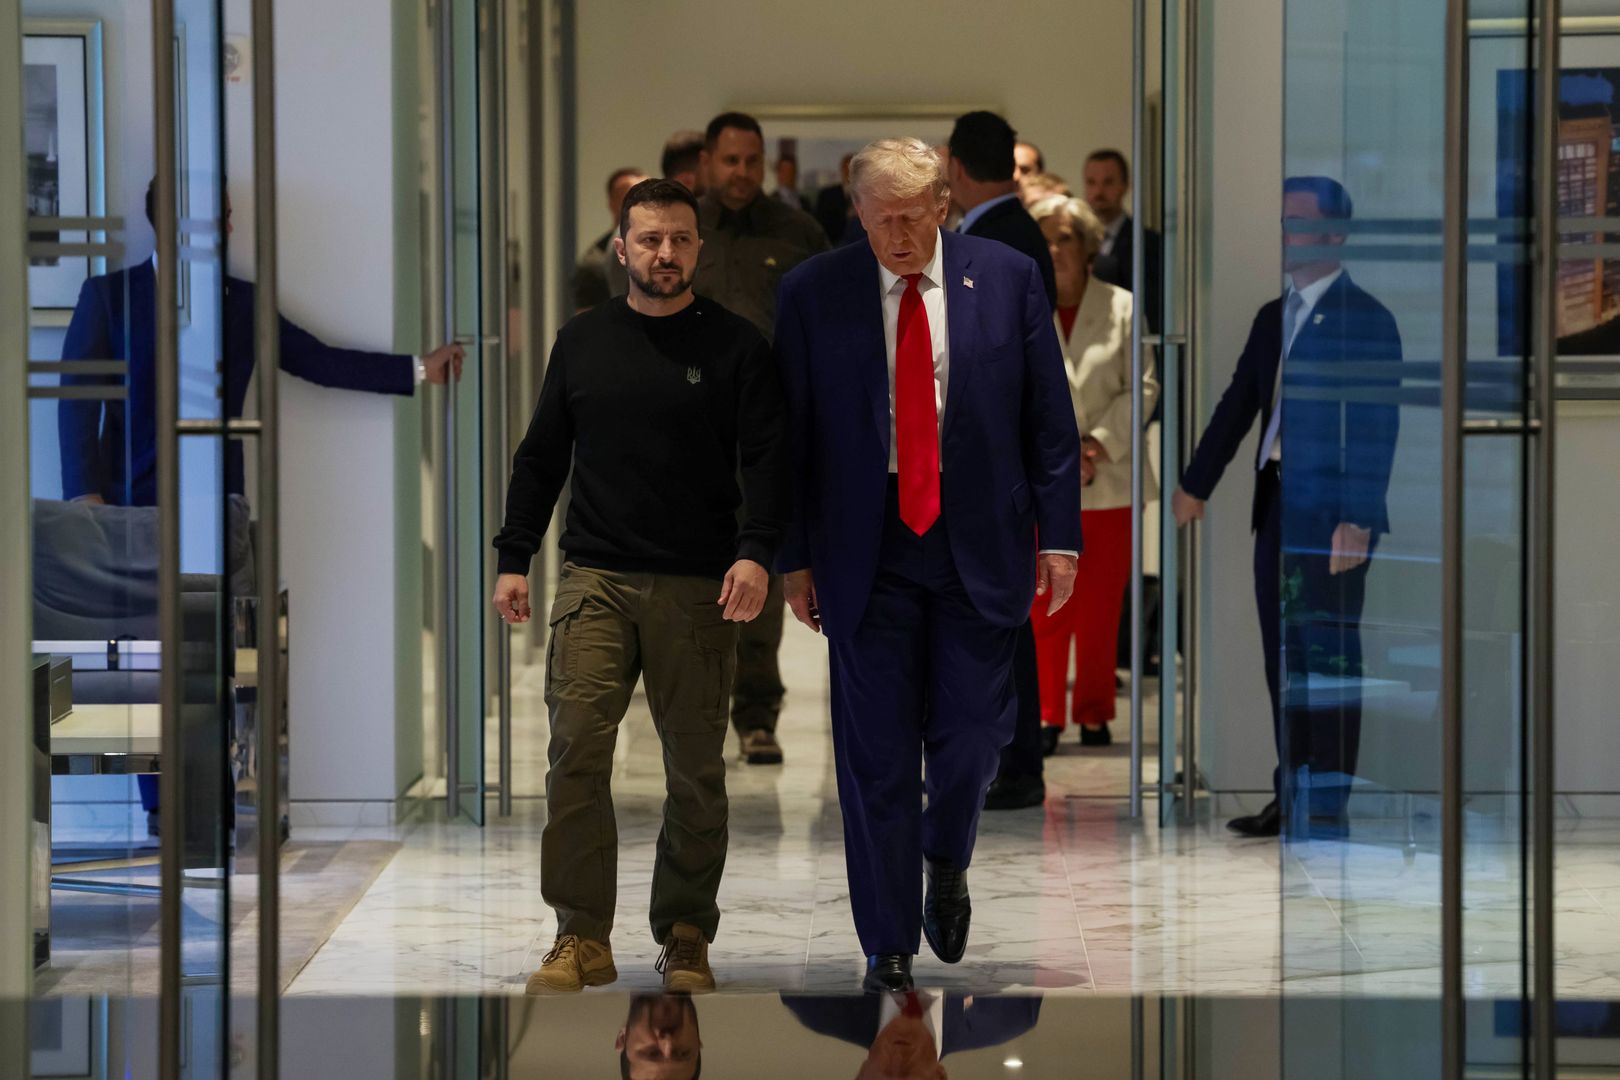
(1088, 623)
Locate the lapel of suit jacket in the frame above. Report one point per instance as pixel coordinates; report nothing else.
(1323, 319)
(871, 356)
(962, 326)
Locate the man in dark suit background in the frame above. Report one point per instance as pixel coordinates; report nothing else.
(109, 448)
(907, 1035)
(931, 433)
(1319, 508)
(834, 210)
(985, 189)
(1107, 185)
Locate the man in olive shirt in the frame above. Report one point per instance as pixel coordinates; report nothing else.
(749, 241)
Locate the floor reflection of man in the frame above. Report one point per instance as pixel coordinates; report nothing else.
(660, 1040)
(907, 1034)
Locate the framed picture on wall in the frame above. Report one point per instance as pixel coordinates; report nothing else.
(1588, 177)
(819, 137)
(65, 144)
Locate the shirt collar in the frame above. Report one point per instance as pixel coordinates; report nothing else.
(933, 273)
(982, 209)
(1113, 230)
(1312, 294)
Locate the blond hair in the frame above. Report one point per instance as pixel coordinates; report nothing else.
(901, 168)
(1084, 220)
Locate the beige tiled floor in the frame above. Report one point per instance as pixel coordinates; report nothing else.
(1074, 897)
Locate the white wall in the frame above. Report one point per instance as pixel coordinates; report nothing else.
(1061, 71)
(1242, 62)
(334, 175)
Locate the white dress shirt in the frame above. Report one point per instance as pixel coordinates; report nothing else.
(932, 287)
(1309, 297)
(933, 1017)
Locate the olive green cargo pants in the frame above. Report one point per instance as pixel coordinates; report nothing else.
(607, 628)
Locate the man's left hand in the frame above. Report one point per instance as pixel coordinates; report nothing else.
(1054, 575)
(442, 363)
(744, 590)
(1350, 543)
(1092, 450)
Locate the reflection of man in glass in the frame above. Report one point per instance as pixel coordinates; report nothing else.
(1323, 468)
(906, 1034)
(660, 1040)
(109, 449)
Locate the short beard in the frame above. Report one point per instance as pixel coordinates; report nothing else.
(652, 288)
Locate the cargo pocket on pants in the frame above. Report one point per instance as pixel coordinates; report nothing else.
(562, 645)
(706, 700)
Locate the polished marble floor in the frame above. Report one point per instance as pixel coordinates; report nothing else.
(1074, 897)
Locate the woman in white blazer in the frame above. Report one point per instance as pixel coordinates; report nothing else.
(1094, 324)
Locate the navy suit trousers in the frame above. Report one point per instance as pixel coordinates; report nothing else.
(1319, 632)
(922, 701)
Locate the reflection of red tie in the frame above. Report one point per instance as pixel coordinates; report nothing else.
(916, 413)
(913, 1006)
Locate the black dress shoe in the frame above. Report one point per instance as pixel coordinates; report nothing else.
(887, 972)
(1049, 739)
(1267, 822)
(947, 911)
(1096, 736)
(1015, 793)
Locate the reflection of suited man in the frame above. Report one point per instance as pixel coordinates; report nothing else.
(1319, 504)
(917, 1029)
(115, 319)
(931, 432)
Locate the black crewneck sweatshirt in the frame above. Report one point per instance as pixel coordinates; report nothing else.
(656, 415)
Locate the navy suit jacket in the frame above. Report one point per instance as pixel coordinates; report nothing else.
(1010, 223)
(115, 319)
(990, 1021)
(1009, 448)
(1338, 438)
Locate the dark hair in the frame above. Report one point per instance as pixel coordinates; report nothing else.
(1331, 198)
(1040, 158)
(983, 142)
(659, 191)
(740, 121)
(619, 174)
(1116, 157)
(681, 152)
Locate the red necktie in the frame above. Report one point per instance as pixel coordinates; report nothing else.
(913, 1006)
(916, 413)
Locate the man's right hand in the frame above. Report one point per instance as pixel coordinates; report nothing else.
(799, 589)
(1186, 508)
(512, 598)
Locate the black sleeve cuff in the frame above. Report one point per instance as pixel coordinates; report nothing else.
(757, 551)
(513, 562)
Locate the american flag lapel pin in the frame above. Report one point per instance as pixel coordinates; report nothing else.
(967, 283)
(1318, 320)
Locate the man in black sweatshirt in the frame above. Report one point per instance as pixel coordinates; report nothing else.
(658, 400)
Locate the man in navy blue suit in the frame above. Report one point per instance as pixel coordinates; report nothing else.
(931, 434)
(109, 448)
(906, 1035)
(1323, 469)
